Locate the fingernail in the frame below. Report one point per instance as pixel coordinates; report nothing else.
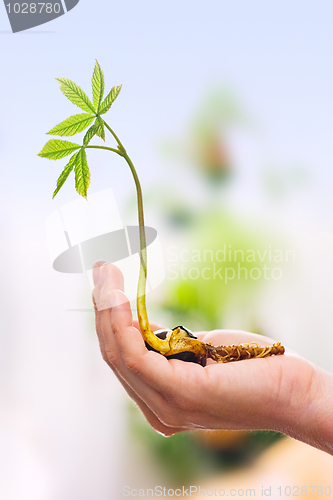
(102, 275)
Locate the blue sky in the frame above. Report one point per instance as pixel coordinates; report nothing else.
(277, 57)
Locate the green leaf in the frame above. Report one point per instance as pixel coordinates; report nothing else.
(110, 98)
(75, 94)
(96, 129)
(82, 174)
(90, 134)
(100, 128)
(56, 149)
(97, 83)
(64, 174)
(72, 125)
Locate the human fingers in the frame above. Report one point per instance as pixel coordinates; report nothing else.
(96, 300)
(126, 378)
(104, 279)
(105, 276)
(150, 416)
(138, 366)
(107, 330)
(163, 375)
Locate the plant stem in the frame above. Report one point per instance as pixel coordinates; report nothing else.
(104, 147)
(115, 136)
(161, 345)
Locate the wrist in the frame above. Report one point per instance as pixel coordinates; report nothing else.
(307, 408)
(317, 422)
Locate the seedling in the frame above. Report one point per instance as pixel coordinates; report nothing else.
(177, 343)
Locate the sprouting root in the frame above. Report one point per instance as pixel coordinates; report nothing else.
(224, 354)
(180, 343)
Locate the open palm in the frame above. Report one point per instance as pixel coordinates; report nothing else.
(174, 395)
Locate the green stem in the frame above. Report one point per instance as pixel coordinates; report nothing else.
(104, 147)
(115, 136)
(161, 345)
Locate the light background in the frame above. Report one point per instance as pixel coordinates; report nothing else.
(63, 429)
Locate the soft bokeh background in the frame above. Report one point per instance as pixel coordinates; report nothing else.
(254, 81)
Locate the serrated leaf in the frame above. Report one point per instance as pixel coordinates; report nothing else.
(64, 174)
(100, 128)
(90, 134)
(110, 98)
(72, 125)
(75, 94)
(96, 129)
(82, 173)
(55, 149)
(97, 83)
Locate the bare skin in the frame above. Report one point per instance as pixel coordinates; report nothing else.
(283, 393)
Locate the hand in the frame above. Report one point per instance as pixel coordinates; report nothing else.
(282, 393)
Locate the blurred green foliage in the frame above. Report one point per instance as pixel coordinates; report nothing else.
(218, 248)
(185, 457)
